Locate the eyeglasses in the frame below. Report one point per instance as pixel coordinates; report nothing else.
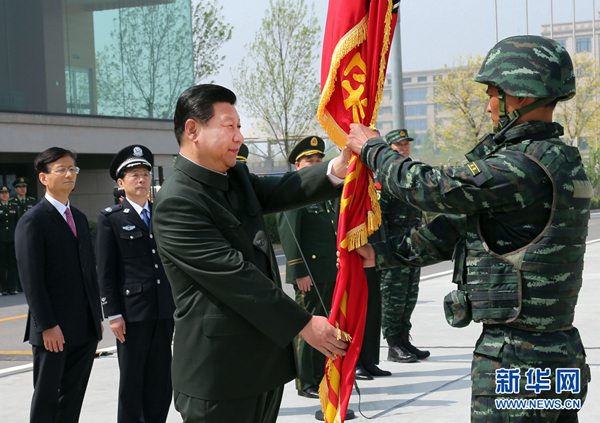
(62, 170)
(136, 174)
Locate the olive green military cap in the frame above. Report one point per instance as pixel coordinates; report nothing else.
(4, 189)
(20, 182)
(242, 154)
(307, 147)
(397, 135)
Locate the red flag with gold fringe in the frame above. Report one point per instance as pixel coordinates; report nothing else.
(358, 35)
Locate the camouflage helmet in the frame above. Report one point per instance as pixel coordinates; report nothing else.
(529, 66)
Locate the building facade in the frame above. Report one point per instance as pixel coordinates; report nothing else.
(93, 76)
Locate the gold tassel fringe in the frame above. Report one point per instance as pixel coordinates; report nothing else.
(347, 43)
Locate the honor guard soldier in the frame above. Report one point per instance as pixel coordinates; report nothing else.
(310, 234)
(9, 215)
(515, 226)
(136, 295)
(400, 285)
(242, 155)
(22, 200)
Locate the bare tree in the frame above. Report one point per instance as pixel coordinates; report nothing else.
(277, 81)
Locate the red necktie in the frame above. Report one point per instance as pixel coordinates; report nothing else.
(70, 221)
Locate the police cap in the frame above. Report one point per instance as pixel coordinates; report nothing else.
(133, 155)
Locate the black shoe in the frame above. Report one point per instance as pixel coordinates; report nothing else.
(420, 354)
(361, 374)
(399, 354)
(376, 371)
(349, 415)
(310, 392)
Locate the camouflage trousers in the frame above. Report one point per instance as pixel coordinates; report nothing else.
(399, 292)
(502, 347)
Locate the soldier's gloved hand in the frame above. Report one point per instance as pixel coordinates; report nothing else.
(358, 136)
(304, 283)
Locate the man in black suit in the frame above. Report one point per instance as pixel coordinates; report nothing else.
(135, 291)
(234, 325)
(58, 273)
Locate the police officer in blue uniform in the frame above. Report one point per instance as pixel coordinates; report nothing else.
(136, 295)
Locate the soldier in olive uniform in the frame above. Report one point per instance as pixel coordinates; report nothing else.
(516, 225)
(22, 200)
(9, 215)
(135, 292)
(399, 286)
(24, 203)
(309, 233)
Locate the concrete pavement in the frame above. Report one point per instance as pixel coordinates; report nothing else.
(433, 390)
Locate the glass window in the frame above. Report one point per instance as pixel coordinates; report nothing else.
(385, 110)
(422, 79)
(416, 125)
(584, 44)
(407, 80)
(415, 110)
(101, 57)
(415, 95)
(562, 42)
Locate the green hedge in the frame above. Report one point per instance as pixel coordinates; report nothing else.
(595, 204)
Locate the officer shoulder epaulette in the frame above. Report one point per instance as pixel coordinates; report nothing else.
(111, 209)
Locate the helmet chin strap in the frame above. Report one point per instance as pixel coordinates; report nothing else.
(505, 119)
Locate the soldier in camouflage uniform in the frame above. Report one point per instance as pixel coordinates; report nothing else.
(519, 247)
(399, 285)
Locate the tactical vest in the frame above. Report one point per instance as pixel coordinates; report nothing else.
(536, 286)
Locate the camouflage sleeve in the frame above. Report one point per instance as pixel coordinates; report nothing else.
(426, 245)
(505, 182)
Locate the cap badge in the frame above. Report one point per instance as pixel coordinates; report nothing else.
(314, 142)
(402, 133)
(137, 151)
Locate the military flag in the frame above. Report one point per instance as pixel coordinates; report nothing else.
(358, 35)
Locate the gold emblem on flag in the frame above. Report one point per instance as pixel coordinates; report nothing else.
(354, 98)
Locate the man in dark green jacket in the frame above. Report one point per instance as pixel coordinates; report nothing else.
(310, 234)
(234, 325)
